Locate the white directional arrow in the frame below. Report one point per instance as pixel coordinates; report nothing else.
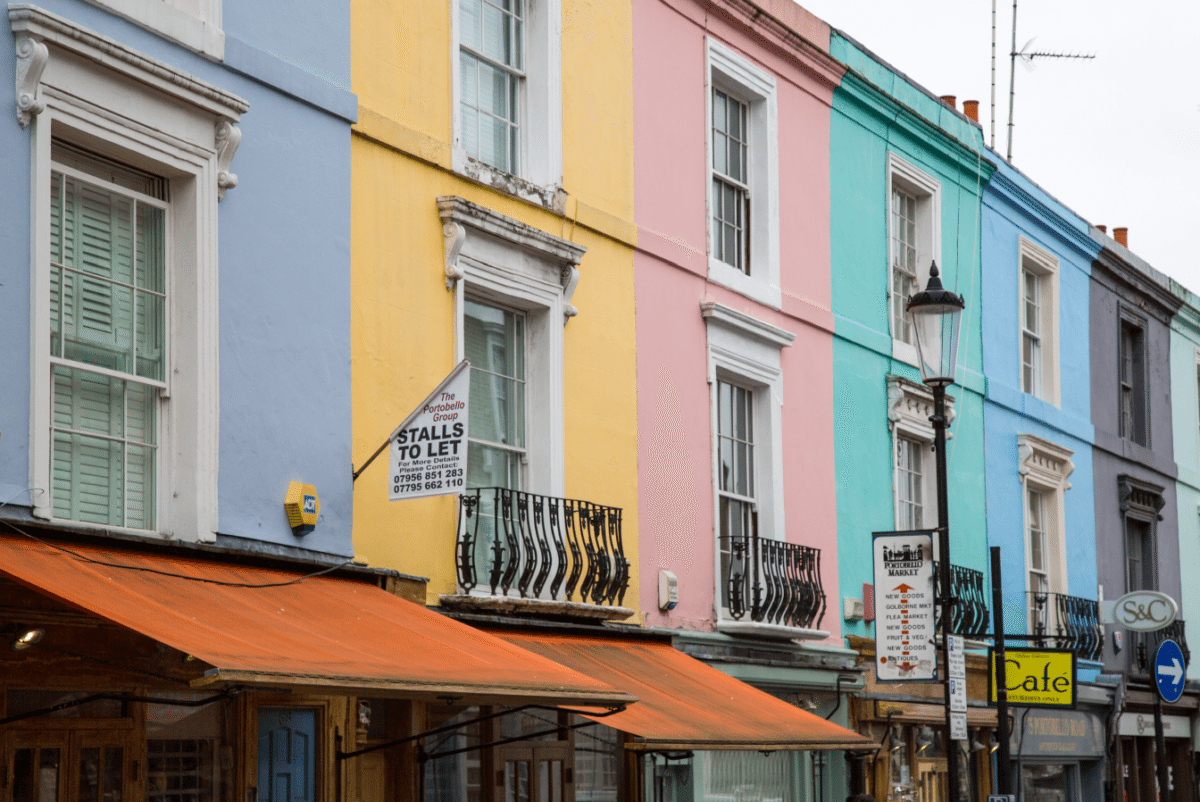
(1174, 672)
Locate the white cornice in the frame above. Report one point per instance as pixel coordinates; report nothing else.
(32, 22)
(742, 323)
(1048, 464)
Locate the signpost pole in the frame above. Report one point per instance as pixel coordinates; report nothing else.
(1160, 753)
(947, 603)
(1004, 759)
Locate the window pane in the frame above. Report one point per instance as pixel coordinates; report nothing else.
(470, 17)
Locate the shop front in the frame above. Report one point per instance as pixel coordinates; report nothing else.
(1137, 756)
(1058, 755)
(172, 676)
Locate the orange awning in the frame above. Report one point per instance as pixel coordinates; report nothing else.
(685, 704)
(319, 633)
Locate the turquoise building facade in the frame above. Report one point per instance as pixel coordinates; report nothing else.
(892, 143)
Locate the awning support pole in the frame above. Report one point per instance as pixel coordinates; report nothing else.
(340, 755)
(121, 697)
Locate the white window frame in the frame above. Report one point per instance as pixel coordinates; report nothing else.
(199, 31)
(927, 191)
(1034, 259)
(910, 406)
(745, 351)
(502, 261)
(1045, 467)
(86, 89)
(540, 114)
(1196, 427)
(731, 73)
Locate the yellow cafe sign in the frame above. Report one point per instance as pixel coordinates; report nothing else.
(1035, 677)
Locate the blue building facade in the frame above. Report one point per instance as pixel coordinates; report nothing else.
(1036, 269)
(177, 215)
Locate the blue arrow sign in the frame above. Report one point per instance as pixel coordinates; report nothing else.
(1169, 670)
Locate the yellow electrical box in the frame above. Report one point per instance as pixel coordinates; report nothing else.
(303, 507)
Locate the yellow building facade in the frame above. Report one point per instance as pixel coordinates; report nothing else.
(492, 217)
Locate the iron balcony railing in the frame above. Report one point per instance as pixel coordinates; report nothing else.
(969, 611)
(541, 547)
(1146, 645)
(1060, 621)
(772, 581)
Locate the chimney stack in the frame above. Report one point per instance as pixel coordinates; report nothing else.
(971, 109)
(949, 100)
(1121, 235)
(1103, 229)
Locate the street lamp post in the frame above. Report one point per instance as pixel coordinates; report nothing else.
(935, 313)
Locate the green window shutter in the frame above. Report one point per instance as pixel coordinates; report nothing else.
(108, 309)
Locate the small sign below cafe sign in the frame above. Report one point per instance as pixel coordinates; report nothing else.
(1035, 677)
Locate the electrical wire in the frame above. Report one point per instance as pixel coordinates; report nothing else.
(159, 572)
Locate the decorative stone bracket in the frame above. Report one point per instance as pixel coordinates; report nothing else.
(229, 136)
(32, 57)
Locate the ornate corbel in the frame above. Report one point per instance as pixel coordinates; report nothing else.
(32, 57)
(228, 137)
(569, 278)
(454, 235)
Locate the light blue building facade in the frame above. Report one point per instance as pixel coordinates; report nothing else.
(1037, 258)
(175, 303)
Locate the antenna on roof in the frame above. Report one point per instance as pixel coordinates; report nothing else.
(1028, 56)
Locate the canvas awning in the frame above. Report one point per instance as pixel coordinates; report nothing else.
(684, 704)
(317, 633)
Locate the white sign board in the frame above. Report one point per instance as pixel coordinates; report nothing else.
(1140, 611)
(958, 726)
(904, 603)
(428, 454)
(956, 666)
(958, 695)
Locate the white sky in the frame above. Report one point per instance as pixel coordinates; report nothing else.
(1115, 138)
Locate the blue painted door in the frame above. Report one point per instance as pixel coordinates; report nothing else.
(286, 754)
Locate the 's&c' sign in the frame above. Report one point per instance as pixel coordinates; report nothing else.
(1145, 611)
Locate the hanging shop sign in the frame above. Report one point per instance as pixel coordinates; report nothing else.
(428, 455)
(1141, 611)
(905, 650)
(1141, 725)
(1045, 733)
(1035, 677)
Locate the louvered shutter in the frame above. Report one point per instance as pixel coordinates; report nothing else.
(105, 427)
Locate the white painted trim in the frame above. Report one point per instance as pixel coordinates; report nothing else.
(1046, 467)
(732, 73)
(199, 32)
(540, 125)
(739, 352)
(506, 262)
(1196, 407)
(910, 406)
(1044, 264)
(745, 324)
(776, 631)
(118, 103)
(928, 192)
(37, 23)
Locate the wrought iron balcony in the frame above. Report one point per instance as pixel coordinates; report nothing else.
(1066, 622)
(1145, 645)
(970, 611)
(772, 581)
(541, 547)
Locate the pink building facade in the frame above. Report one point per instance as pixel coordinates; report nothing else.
(734, 345)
